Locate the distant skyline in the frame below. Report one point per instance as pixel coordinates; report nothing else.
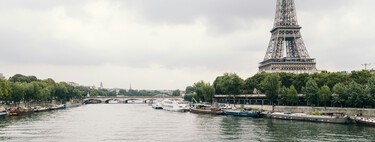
(166, 44)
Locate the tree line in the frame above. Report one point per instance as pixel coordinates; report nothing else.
(29, 89)
(355, 89)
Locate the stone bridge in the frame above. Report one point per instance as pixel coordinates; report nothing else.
(126, 99)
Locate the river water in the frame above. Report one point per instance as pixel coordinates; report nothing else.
(139, 122)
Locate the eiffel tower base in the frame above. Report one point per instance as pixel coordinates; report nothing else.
(289, 67)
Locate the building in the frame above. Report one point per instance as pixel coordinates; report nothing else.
(286, 50)
(2, 76)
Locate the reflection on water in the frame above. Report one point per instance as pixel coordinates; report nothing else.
(131, 122)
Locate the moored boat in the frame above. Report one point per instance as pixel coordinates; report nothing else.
(365, 121)
(62, 106)
(40, 109)
(243, 113)
(175, 105)
(3, 114)
(338, 118)
(157, 105)
(205, 109)
(3, 111)
(20, 111)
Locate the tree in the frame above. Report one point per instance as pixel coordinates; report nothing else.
(300, 81)
(360, 77)
(253, 82)
(176, 93)
(189, 90)
(292, 95)
(61, 93)
(22, 78)
(122, 92)
(204, 91)
(287, 79)
(356, 94)
(370, 90)
(340, 94)
(18, 92)
(283, 96)
(271, 84)
(325, 95)
(5, 89)
(311, 92)
(228, 84)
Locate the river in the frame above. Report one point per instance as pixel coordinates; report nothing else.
(139, 122)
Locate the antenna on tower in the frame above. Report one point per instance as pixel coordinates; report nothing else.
(366, 65)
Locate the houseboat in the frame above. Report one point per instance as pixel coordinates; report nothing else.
(365, 121)
(329, 117)
(243, 113)
(20, 111)
(205, 109)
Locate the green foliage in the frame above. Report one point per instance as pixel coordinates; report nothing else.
(271, 84)
(190, 96)
(356, 89)
(311, 92)
(283, 95)
(253, 82)
(287, 79)
(356, 94)
(189, 90)
(5, 89)
(340, 94)
(325, 95)
(360, 77)
(292, 95)
(204, 91)
(22, 78)
(370, 90)
(176, 92)
(228, 84)
(122, 92)
(300, 81)
(18, 92)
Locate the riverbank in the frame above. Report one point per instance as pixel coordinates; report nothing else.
(48, 106)
(305, 109)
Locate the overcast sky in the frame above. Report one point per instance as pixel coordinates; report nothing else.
(169, 44)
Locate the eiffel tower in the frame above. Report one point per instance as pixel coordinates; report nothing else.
(286, 51)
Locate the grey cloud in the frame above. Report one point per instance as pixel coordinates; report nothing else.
(224, 17)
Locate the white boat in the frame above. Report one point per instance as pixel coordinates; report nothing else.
(40, 109)
(62, 106)
(113, 101)
(157, 105)
(2, 114)
(175, 105)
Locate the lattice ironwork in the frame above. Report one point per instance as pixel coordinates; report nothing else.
(286, 44)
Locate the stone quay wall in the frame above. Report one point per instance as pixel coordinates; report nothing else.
(305, 109)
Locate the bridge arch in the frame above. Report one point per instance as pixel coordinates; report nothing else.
(148, 100)
(133, 101)
(92, 101)
(114, 99)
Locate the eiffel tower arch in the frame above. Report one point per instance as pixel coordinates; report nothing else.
(286, 50)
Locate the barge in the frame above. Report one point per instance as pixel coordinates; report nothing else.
(206, 109)
(338, 118)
